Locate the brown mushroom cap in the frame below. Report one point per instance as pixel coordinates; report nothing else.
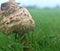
(21, 22)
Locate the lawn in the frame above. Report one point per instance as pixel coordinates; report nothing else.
(46, 36)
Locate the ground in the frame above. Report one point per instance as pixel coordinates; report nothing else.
(46, 36)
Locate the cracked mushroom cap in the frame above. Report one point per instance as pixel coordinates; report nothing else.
(19, 22)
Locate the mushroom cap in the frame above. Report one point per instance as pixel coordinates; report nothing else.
(19, 22)
(18, 19)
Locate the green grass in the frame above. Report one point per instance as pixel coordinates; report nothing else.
(46, 36)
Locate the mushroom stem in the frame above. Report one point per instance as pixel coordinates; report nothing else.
(26, 44)
(23, 39)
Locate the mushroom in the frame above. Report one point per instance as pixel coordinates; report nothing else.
(19, 22)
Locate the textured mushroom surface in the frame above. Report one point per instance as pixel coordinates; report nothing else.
(15, 18)
(20, 21)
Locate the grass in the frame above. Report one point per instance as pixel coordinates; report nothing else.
(46, 36)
